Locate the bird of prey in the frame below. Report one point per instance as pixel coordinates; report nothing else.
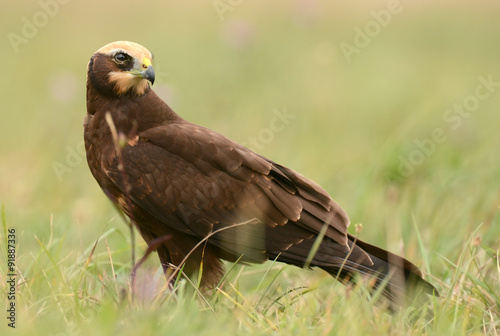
(216, 200)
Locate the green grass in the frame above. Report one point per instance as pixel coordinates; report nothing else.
(353, 121)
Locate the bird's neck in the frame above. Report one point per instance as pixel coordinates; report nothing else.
(129, 113)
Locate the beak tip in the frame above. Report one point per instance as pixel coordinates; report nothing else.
(149, 74)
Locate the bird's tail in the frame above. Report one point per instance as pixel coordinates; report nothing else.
(398, 279)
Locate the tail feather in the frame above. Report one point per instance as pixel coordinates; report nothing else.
(398, 279)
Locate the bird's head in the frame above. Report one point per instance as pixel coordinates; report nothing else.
(120, 68)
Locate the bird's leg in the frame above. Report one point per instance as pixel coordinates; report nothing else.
(169, 269)
(132, 243)
(153, 245)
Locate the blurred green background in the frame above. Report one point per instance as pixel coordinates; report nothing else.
(229, 65)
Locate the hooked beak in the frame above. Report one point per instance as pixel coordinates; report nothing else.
(149, 74)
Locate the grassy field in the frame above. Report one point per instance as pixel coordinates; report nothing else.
(392, 109)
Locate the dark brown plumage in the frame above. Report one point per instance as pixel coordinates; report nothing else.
(186, 181)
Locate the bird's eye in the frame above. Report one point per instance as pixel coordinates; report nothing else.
(121, 57)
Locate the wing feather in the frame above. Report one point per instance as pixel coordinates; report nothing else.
(197, 181)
